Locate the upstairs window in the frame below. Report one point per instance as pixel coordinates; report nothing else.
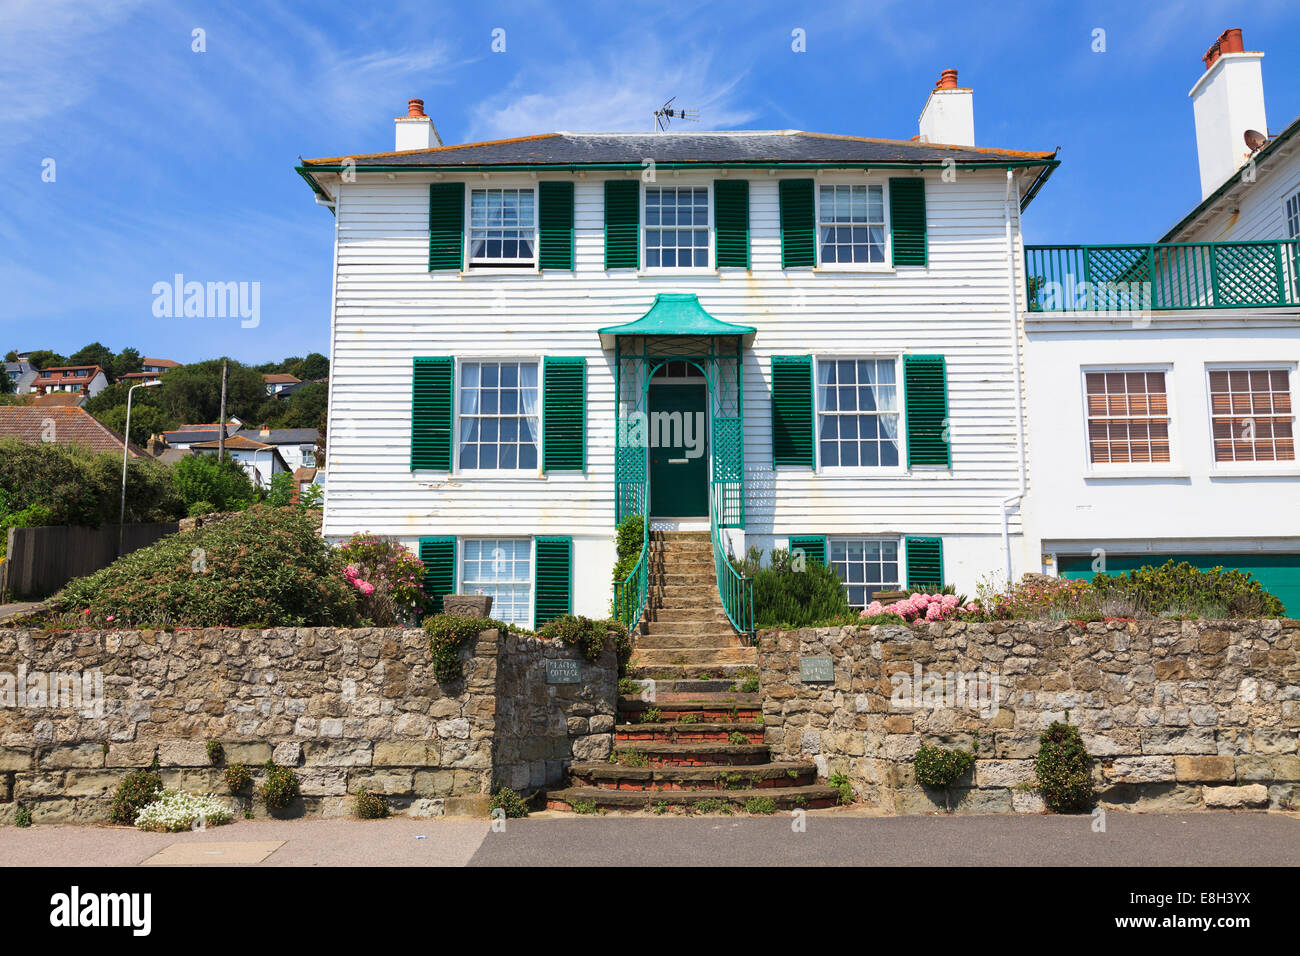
(503, 227)
(857, 412)
(1128, 417)
(677, 227)
(851, 224)
(1293, 215)
(498, 415)
(1250, 414)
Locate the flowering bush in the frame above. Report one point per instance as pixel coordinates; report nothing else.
(386, 577)
(921, 607)
(177, 810)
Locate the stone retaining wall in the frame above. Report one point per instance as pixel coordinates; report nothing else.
(1177, 714)
(344, 708)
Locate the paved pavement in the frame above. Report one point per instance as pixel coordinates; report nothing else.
(834, 838)
(14, 610)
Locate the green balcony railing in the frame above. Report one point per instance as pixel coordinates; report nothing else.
(1170, 276)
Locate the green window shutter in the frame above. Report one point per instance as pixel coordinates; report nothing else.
(812, 545)
(439, 557)
(924, 563)
(446, 225)
(907, 221)
(553, 582)
(731, 222)
(431, 394)
(622, 224)
(798, 224)
(792, 410)
(564, 414)
(925, 391)
(555, 225)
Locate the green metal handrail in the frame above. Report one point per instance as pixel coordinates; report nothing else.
(735, 590)
(631, 594)
(1166, 276)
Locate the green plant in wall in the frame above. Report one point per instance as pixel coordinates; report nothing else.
(280, 787)
(369, 806)
(840, 782)
(509, 802)
(216, 752)
(238, 777)
(1064, 770)
(138, 789)
(586, 635)
(22, 817)
(447, 637)
(628, 539)
(760, 805)
(938, 768)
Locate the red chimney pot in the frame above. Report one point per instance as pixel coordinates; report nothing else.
(947, 80)
(415, 107)
(1229, 41)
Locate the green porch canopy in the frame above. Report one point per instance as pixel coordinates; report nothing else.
(676, 313)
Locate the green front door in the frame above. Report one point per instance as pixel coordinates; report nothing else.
(679, 453)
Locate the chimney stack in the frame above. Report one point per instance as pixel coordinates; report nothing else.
(1227, 100)
(949, 114)
(415, 130)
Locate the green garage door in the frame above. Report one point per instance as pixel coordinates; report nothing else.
(1279, 574)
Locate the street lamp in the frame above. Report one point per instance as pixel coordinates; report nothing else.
(126, 444)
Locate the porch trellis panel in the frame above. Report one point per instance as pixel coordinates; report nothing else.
(1170, 276)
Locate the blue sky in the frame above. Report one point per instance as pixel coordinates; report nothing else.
(168, 160)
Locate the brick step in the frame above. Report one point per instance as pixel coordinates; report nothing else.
(695, 753)
(785, 798)
(655, 640)
(721, 708)
(722, 777)
(677, 731)
(690, 671)
(690, 689)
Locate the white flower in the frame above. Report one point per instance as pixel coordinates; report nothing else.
(177, 810)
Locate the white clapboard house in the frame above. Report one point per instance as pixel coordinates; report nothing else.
(770, 338)
(1161, 375)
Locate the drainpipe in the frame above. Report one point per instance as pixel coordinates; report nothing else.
(1014, 316)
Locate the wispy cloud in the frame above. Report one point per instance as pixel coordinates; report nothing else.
(615, 92)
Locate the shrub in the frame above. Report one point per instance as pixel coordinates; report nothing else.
(280, 492)
(369, 806)
(33, 516)
(1064, 770)
(177, 810)
(221, 483)
(138, 789)
(1180, 588)
(216, 752)
(510, 802)
(583, 633)
(628, 539)
(790, 593)
(200, 508)
(918, 607)
(938, 767)
(263, 567)
(280, 787)
(386, 577)
(238, 777)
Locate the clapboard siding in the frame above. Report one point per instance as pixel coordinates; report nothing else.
(1260, 205)
(389, 308)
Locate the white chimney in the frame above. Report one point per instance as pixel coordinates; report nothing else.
(415, 130)
(1227, 100)
(949, 114)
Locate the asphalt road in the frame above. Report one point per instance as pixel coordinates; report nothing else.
(831, 839)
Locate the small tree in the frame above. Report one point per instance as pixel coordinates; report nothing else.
(1064, 770)
(204, 478)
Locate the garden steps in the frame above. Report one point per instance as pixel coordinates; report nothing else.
(748, 776)
(656, 640)
(785, 798)
(729, 672)
(714, 708)
(700, 656)
(693, 753)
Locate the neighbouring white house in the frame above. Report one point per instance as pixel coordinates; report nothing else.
(260, 461)
(87, 380)
(277, 382)
(779, 338)
(297, 446)
(1161, 376)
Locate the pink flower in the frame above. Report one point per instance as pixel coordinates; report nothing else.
(109, 618)
(934, 613)
(366, 589)
(86, 611)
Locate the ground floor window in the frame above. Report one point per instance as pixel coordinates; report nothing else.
(502, 568)
(865, 565)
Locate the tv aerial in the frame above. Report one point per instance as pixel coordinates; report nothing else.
(666, 114)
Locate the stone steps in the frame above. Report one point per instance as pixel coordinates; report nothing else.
(717, 707)
(656, 640)
(750, 776)
(694, 753)
(699, 656)
(600, 798)
(690, 671)
(675, 731)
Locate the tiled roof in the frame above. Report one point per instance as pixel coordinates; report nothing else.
(234, 443)
(282, 436)
(757, 146)
(279, 378)
(58, 398)
(64, 424)
(160, 363)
